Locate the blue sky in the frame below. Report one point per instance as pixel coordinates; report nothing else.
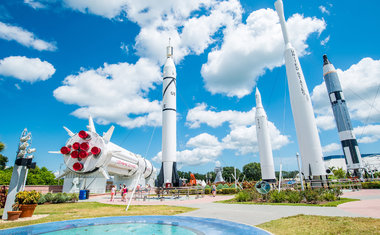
(62, 60)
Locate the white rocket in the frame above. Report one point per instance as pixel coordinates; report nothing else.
(265, 148)
(87, 152)
(306, 128)
(168, 175)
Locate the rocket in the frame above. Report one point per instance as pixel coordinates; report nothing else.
(303, 114)
(342, 117)
(87, 152)
(168, 176)
(265, 148)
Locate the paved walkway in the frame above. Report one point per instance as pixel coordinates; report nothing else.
(369, 206)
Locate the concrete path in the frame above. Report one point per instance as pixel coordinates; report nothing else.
(369, 206)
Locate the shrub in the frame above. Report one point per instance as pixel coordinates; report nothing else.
(276, 196)
(232, 186)
(219, 186)
(228, 190)
(28, 197)
(48, 197)
(42, 200)
(207, 190)
(208, 186)
(226, 186)
(311, 196)
(328, 196)
(371, 185)
(293, 196)
(243, 196)
(73, 197)
(58, 198)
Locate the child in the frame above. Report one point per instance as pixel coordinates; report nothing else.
(213, 190)
(113, 191)
(125, 190)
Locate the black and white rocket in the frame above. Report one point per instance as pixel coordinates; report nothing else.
(168, 175)
(303, 114)
(263, 139)
(342, 117)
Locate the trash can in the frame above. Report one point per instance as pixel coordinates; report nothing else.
(87, 194)
(82, 194)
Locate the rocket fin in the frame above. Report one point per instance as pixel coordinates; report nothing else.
(107, 135)
(91, 126)
(67, 171)
(71, 134)
(104, 173)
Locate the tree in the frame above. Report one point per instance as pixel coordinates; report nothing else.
(339, 173)
(252, 171)
(228, 171)
(3, 159)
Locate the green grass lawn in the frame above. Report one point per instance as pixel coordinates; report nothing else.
(324, 204)
(70, 211)
(308, 224)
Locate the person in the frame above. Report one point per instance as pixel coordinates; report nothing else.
(125, 190)
(213, 190)
(121, 192)
(113, 192)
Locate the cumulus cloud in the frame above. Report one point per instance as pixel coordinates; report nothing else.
(331, 148)
(106, 8)
(115, 93)
(26, 69)
(203, 148)
(24, 37)
(360, 84)
(248, 50)
(367, 134)
(200, 114)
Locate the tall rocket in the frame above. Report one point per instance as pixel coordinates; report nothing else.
(303, 114)
(168, 175)
(342, 117)
(265, 148)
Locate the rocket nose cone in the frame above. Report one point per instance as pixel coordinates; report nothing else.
(325, 60)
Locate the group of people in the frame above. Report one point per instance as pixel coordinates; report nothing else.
(123, 192)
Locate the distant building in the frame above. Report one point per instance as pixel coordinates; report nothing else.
(370, 161)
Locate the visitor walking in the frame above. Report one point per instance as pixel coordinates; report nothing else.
(125, 190)
(121, 192)
(213, 190)
(113, 192)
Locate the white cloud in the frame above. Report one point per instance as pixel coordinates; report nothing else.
(198, 115)
(190, 24)
(24, 37)
(17, 86)
(35, 4)
(325, 41)
(115, 93)
(367, 134)
(248, 50)
(243, 139)
(324, 10)
(124, 47)
(204, 148)
(106, 8)
(26, 69)
(360, 84)
(331, 147)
